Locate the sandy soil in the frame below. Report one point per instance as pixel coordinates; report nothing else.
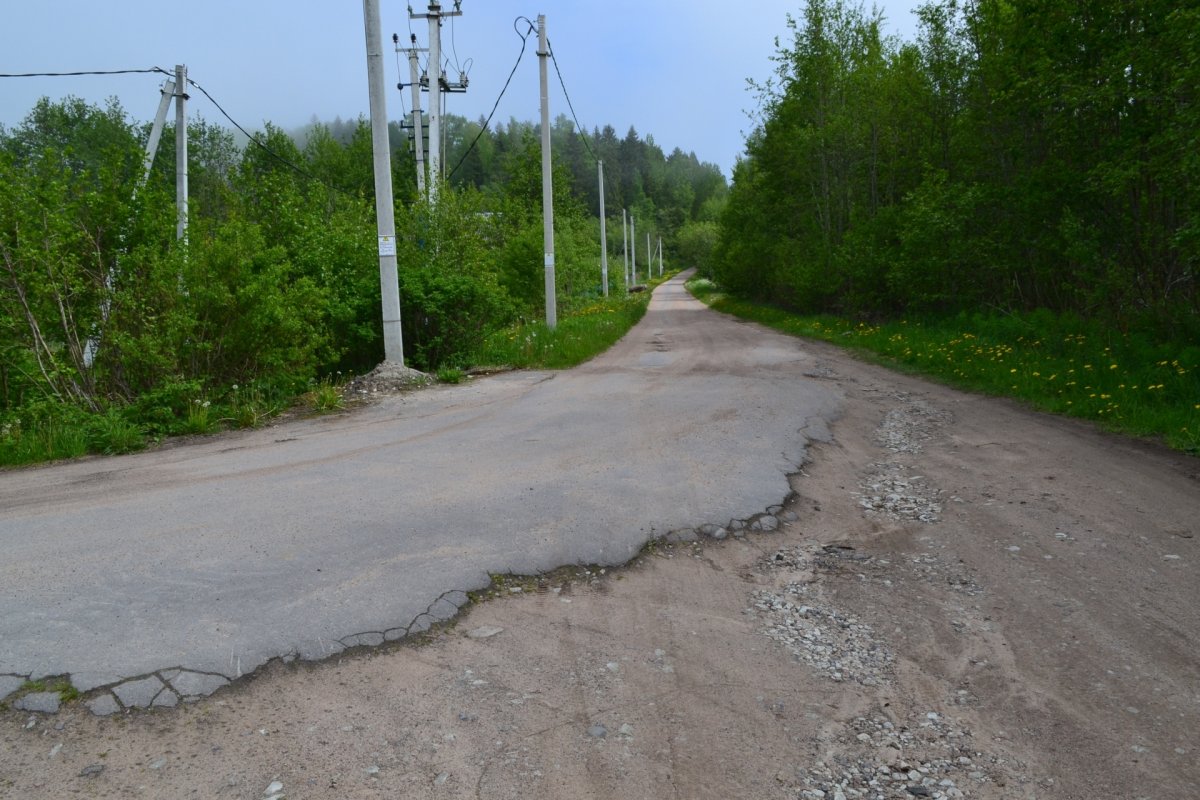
(973, 600)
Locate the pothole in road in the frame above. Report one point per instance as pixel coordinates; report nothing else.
(835, 644)
(887, 491)
(890, 489)
(907, 427)
(923, 755)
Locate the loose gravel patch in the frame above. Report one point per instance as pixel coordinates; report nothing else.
(926, 755)
(836, 645)
(887, 491)
(905, 429)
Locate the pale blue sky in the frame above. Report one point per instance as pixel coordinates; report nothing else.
(675, 69)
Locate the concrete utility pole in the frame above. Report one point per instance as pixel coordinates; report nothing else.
(435, 99)
(181, 160)
(547, 180)
(649, 260)
(625, 246)
(660, 266)
(393, 342)
(633, 248)
(160, 121)
(436, 85)
(603, 231)
(414, 75)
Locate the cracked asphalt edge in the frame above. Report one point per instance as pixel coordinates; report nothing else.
(168, 687)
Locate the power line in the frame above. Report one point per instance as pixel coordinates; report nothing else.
(488, 122)
(579, 126)
(298, 169)
(295, 167)
(563, 84)
(412, 37)
(85, 72)
(454, 47)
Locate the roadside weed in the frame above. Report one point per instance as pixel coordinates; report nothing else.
(326, 396)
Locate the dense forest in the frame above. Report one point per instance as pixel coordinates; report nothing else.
(103, 312)
(1019, 155)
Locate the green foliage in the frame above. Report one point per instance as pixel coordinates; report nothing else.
(197, 419)
(111, 433)
(577, 337)
(65, 689)
(43, 431)
(450, 283)
(1018, 155)
(113, 333)
(451, 375)
(696, 243)
(250, 406)
(326, 396)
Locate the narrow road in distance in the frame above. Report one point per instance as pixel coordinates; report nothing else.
(164, 575)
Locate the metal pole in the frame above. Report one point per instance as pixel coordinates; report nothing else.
(393, 343)
(660, 257)
(603, 231)
(435, 99)
(415, 77)
(181, 159)
(625, 247)
(547, 180)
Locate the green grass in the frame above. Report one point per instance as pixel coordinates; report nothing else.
(41, 439)
(50, 431)
(450, 375)
(579, 336)
(111, 433)
(198, 419)
(66, 691)
(326, 396)
(250, 406)
(1128, 382)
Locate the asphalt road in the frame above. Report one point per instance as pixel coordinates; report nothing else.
(304, 538)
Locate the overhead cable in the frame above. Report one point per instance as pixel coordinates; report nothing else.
(85, 72)
(488, 121)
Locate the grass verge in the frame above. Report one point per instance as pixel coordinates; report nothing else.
(1127, 382)
(579, 336)
(51, 431)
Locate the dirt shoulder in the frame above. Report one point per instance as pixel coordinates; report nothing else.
(973, 600)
